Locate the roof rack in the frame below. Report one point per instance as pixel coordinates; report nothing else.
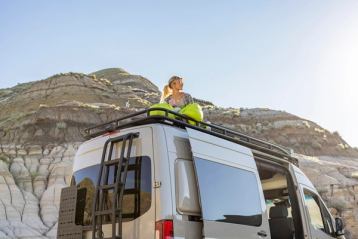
(165, 116)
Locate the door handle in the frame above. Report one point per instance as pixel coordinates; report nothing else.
(262, 234)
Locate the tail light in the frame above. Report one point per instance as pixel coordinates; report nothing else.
(164, 229)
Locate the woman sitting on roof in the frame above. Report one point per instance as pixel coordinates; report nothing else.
(173, 94)
(174, 99)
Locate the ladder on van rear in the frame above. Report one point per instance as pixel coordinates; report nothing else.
(100, 210)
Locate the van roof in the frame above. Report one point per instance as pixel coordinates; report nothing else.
(174, 119)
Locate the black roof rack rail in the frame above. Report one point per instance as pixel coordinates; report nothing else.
(165, 116)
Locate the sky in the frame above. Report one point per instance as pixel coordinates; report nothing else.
(296, 56)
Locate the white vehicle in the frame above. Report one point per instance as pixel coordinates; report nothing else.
(163, 176)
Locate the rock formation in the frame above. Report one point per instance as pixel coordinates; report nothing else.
(42, 122)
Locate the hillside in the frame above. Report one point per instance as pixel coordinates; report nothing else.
(41, 125)
(54, 109)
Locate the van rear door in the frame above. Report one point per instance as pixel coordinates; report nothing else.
(231, 197)
(138, 205)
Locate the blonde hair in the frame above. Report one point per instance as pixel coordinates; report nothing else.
(167, 91)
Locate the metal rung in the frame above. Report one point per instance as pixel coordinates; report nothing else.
(106, 212)
(117, 237)
(113, 161)
(130, 191)
(109, 186)
(112, 186)
(131, 167)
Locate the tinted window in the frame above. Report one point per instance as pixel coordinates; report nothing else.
(319, 216)
(137, 194)
(228, 194)
(314, 211)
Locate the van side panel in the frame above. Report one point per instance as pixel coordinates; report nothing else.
(163, 189)
(221, 166)
(221, 145)
(179, 148)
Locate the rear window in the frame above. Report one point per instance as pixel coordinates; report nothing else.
(228, 194)
(137, 195)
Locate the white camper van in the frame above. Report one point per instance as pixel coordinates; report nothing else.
(165, 176)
